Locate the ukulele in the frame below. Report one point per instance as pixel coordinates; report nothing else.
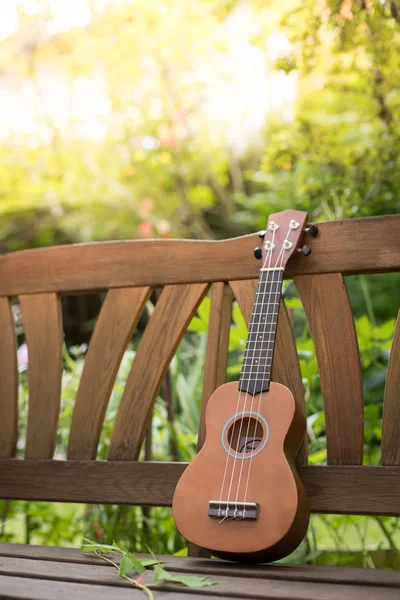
(241, 497)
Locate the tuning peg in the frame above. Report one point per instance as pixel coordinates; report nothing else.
(312, 229)
(305, 250)
(258, 252)
(262, 233)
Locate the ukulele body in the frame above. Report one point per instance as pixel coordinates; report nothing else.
(266, 469)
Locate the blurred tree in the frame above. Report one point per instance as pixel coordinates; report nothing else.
(340, 155)
(125, 143)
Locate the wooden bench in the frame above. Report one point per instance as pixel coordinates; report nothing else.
(186, 270)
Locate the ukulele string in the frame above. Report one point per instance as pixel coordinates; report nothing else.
(230, 442)
(268, 304)
(269, 259)
(270, 339)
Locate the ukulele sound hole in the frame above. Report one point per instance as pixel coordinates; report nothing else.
(245, 435)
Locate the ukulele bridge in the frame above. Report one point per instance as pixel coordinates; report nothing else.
(221, 509)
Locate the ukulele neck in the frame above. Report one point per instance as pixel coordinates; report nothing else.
(257, 363)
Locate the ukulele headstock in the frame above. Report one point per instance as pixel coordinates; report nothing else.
(282, 238)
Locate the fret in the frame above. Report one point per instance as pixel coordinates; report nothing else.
(269, 314)
(264, 299)
(263, 331)
(256, 371)
(264, 341)
(266, 289)
(256, 361)
(266, 303)
(254, 379)
(253, 370)
(266, 353)
(271, 286)
(259, 365)
(256, 353)
(263, 344)
(258, 356)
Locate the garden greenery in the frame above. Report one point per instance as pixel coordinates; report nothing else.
(155, 161)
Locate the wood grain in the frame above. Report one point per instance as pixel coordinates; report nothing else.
(117, 320)
(44, 337)
(217, 347)
(8, 381)
(104, 482)
(166, 327)
(339, 247)
(391, 404)
(215, 363)
(230, 584)
(328, 311)
(183, 564)
(286, 366)
(33, 588)
(341, 489)
(245, 293)
(99, 574)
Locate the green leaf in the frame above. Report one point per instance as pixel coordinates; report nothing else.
(104, 548)
(125, 566)
(191, 581)
(160, 574)
(137, 563)
(150, 562)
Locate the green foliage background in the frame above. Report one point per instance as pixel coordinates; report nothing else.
(162, 173)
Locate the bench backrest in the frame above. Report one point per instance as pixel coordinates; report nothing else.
(128, 271)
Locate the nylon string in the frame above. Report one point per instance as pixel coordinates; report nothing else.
(270, 339)
(267, 258)
(278, 264)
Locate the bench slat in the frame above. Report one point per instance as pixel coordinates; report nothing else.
(118, 318)
(28, 588)
(339, 247)
(165, 329)
(8, 381)
(286, 366)
(215, 363)
(391, 405)
(330, 318)
(217, 347)
(341, 489)
(44, 337)
(228, 586)
(183, 564)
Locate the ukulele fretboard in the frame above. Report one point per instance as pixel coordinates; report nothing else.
(257, 363)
